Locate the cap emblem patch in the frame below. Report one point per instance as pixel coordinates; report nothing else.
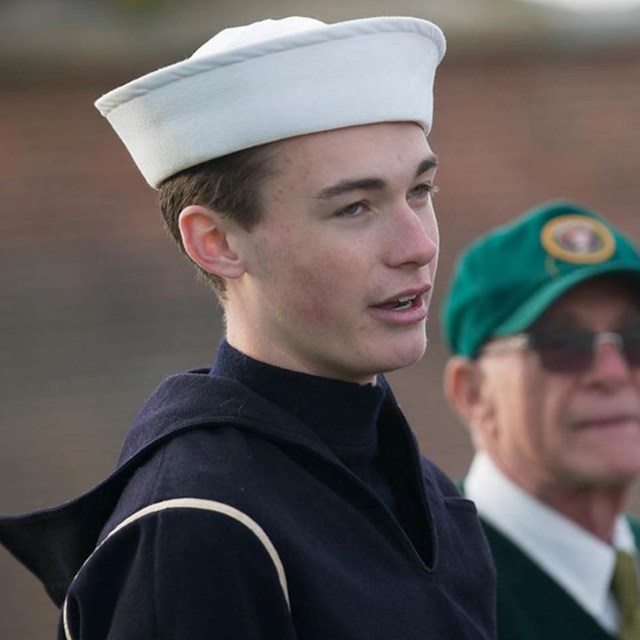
(578, 239)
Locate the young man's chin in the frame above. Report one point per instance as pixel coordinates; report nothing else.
(405, 355)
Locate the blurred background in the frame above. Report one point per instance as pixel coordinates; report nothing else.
(534, 100)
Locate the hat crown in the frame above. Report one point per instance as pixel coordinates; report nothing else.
(273, 80)
(255, 33)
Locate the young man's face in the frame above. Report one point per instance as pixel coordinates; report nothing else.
(340, 268)
(558, 432)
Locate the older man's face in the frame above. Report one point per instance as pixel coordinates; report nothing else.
(553, 432)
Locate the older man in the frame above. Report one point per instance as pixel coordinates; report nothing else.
(543, 319)
(280, 494)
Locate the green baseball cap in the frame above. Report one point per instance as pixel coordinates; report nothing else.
(509, 276)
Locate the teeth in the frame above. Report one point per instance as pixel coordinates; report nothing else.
(404, 303)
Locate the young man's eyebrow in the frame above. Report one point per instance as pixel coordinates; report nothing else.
(370, 184)
(345, 186)
(427, 164)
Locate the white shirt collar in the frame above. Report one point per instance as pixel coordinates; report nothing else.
(553, 541)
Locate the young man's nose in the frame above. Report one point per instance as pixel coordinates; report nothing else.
(412, 238)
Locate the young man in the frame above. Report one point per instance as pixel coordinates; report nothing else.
(543, 319)
(281, 493)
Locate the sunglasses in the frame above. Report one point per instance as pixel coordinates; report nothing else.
(571, 351)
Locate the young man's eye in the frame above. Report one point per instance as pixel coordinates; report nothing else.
(424, 189)
(351, 210)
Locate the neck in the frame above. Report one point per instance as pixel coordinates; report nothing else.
(592, 507)
(273, 353)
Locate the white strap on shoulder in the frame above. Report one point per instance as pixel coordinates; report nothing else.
(203, 505)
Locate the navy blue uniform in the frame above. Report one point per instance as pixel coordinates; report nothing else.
(253, 502)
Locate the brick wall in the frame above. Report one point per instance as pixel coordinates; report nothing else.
(96, 305)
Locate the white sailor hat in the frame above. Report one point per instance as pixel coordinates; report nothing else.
(272, 80)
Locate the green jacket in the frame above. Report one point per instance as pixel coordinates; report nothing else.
(531, 605)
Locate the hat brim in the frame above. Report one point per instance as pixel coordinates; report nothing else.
(528, 313)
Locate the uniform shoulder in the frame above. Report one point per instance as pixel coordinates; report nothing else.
(180, 566)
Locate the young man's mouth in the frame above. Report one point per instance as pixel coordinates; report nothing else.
(400, 304)
(406, 308)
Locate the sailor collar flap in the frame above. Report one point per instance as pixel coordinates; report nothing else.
(69, 533)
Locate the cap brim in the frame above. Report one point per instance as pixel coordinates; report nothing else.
(535, 305)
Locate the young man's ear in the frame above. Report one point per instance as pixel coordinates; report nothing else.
(208, 240)
(463, 388)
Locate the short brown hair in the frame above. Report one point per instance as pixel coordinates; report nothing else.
(229, 185)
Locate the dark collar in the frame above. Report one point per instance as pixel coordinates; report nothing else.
(343, 414)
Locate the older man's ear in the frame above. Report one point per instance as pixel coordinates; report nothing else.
(464, 389)
(462, 386)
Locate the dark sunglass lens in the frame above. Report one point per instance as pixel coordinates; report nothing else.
(631, 346)
(564, 352)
